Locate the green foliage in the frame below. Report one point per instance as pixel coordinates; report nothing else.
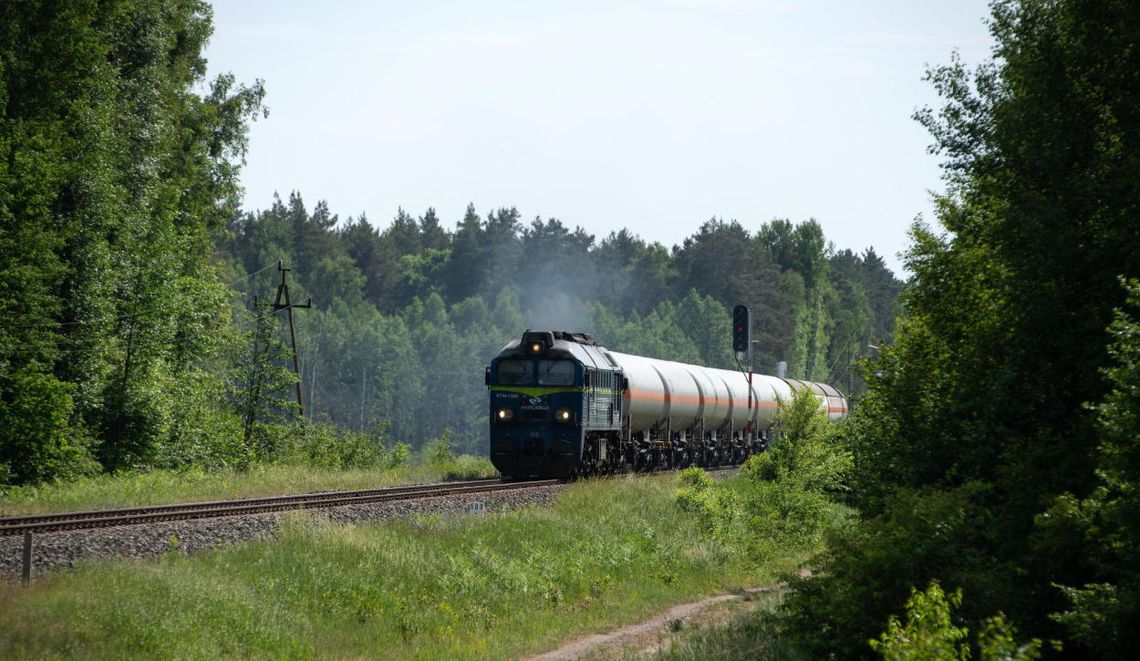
(36, 438)
(1101, 613)
(115, 172)
(976, 420)
(438, 451)
(808, 453)
(261, 391)
(696, 478)
(782, 498)
(929, 633)
(926, 533)
(997, 642)
(326, 446)
(720, 510)
(397, 456)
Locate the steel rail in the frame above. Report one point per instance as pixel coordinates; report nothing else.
(205, 504)
(40, 523)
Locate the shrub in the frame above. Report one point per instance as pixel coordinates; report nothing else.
(808, 452)
(929, 633)
(437, 452)
(397, 456)
(719, 510)
(872, 567)
(37, 439)
(781, 500)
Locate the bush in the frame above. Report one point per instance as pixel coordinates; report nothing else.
(437, 452)
(328, 446)
(696, 478)
(929, 633)
(781, 500)
(397, 456)
(37, 440)
(719, 510)
(808, 452)
(871, 568)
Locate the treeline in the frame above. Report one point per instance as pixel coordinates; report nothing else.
(135, 295)
(406, 317)
(115, 171)
(997, 451)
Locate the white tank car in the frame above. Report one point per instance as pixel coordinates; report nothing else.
(664, 394)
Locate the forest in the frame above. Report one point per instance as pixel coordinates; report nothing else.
(137, 287)
(405, 318)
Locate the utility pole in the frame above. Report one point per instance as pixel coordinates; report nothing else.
(282, 302)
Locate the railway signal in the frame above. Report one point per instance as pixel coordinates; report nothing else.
(742, 345)
(741, 330)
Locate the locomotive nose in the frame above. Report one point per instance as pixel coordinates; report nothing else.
(537, 452)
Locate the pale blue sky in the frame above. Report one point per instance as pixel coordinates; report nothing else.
(649, 115)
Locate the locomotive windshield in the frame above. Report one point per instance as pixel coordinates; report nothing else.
(514, 372)
(555, 373)
(522, 373)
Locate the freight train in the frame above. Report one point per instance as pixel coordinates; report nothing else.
(562, 406)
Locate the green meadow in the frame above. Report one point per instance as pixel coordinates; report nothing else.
(605, 553)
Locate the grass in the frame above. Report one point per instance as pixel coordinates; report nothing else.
(749, 634)
(156, 487)
(521, 582)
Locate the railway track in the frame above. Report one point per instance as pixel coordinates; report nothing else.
(41, 523)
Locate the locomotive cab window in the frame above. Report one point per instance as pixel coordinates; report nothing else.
(513, 372)
(556, 373)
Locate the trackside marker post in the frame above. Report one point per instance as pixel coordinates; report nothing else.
(27, 569)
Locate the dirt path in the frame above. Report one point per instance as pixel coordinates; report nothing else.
(653, 634)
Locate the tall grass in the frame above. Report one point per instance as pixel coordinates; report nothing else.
(432, 587)
(751, 633)
(154, 487)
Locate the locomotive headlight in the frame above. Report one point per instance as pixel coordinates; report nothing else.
(536, 347)
(563, 415)
(504, 414)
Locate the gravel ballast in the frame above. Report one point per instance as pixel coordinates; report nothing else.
(65, 549)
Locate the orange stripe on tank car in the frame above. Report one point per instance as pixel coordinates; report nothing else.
(646, 395)
(836, 409)
(654, 396)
